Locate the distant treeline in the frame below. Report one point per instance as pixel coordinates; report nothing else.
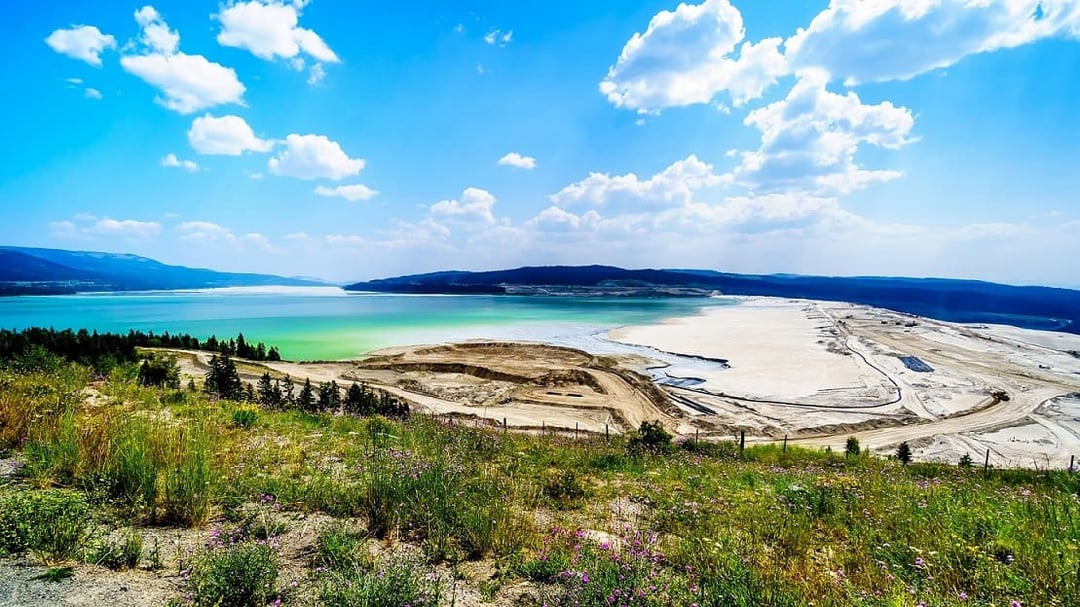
(103, 351)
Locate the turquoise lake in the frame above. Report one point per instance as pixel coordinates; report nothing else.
(330, 324)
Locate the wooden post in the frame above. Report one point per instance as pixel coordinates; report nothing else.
(575, 430)
(742, 440)
(607, 438)
(504, 424)
(785, 443)
(697, 435)
(986, 464)
(1072, 460)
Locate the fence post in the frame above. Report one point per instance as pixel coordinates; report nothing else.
(607, 438)
(742, 440)
(575, 430)
(1072, 460)
(697, 435)
(986, 464)
(504, 425)
(785, 443)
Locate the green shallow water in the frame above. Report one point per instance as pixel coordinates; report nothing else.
(329, 324)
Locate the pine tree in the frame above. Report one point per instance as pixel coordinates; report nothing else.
(903, 453)
(306, 400)
(249, 393)
(273, 354)
(266, 391)
(223, 380)
(288, 392)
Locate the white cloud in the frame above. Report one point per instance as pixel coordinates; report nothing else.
(316, 74)
(227, 135)
(211, 233)
(352, 193)
(82, 42)
(123, 228)
(674, 185)
(348, 240)
(156, 34)
(63, 229)
(859, 41)
(269, 29)
(204, 230)
(517, 160)
(496, 36)
(314, 157)
(688, 56)
(809, 139)
(92, 93)
(188, 82)
(170, 160)
(474, 204)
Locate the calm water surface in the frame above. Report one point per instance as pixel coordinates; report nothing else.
(330, 324)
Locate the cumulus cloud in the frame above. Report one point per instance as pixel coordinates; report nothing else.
(170, 160)
(270, 29)
(208, 232)
(674, 185)
(85, 225)
(314, 157)
(517, 160)
(689, 56)
(124, 228)
(352, 193)
(858, 41)
(227, 135)
(496, 36)
(188, 83)
(92, 93)
(809, 139)
(475, 204)
(82, 42)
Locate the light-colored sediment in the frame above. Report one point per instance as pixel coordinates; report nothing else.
(816, 372)
(991, 387)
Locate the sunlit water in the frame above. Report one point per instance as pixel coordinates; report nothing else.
(330, 324)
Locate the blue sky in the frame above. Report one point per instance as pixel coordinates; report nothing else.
(350, 140)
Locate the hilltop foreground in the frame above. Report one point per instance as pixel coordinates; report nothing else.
(130, 494)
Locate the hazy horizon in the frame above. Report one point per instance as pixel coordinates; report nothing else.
(327, 139)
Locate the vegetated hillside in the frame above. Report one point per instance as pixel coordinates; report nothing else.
(20, 267)
(46, 269)
(945, 299)
(318, 504)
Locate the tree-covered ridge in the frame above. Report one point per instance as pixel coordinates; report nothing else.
(103, 351)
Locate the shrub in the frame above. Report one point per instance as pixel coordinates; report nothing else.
(650, 437)
(52, 523)
(337, 548)
(123, 553)
(244, 418)
(395, 581)
(965, 461)
(563, 489)
(238, 575)
(159, 370)
(852, 448)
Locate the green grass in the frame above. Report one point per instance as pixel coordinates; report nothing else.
(52, 524)
(766, 526)
(401, 579)
(234, 575)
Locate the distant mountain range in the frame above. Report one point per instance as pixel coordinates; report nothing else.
(945, 299)
(30, 271)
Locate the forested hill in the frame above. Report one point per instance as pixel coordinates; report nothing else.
(945, 299)
(26, 270)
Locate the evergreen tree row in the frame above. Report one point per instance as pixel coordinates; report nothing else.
(103, 351)
(359, 399)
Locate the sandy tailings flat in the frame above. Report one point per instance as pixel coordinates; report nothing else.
(821, 371)
(816, 372)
